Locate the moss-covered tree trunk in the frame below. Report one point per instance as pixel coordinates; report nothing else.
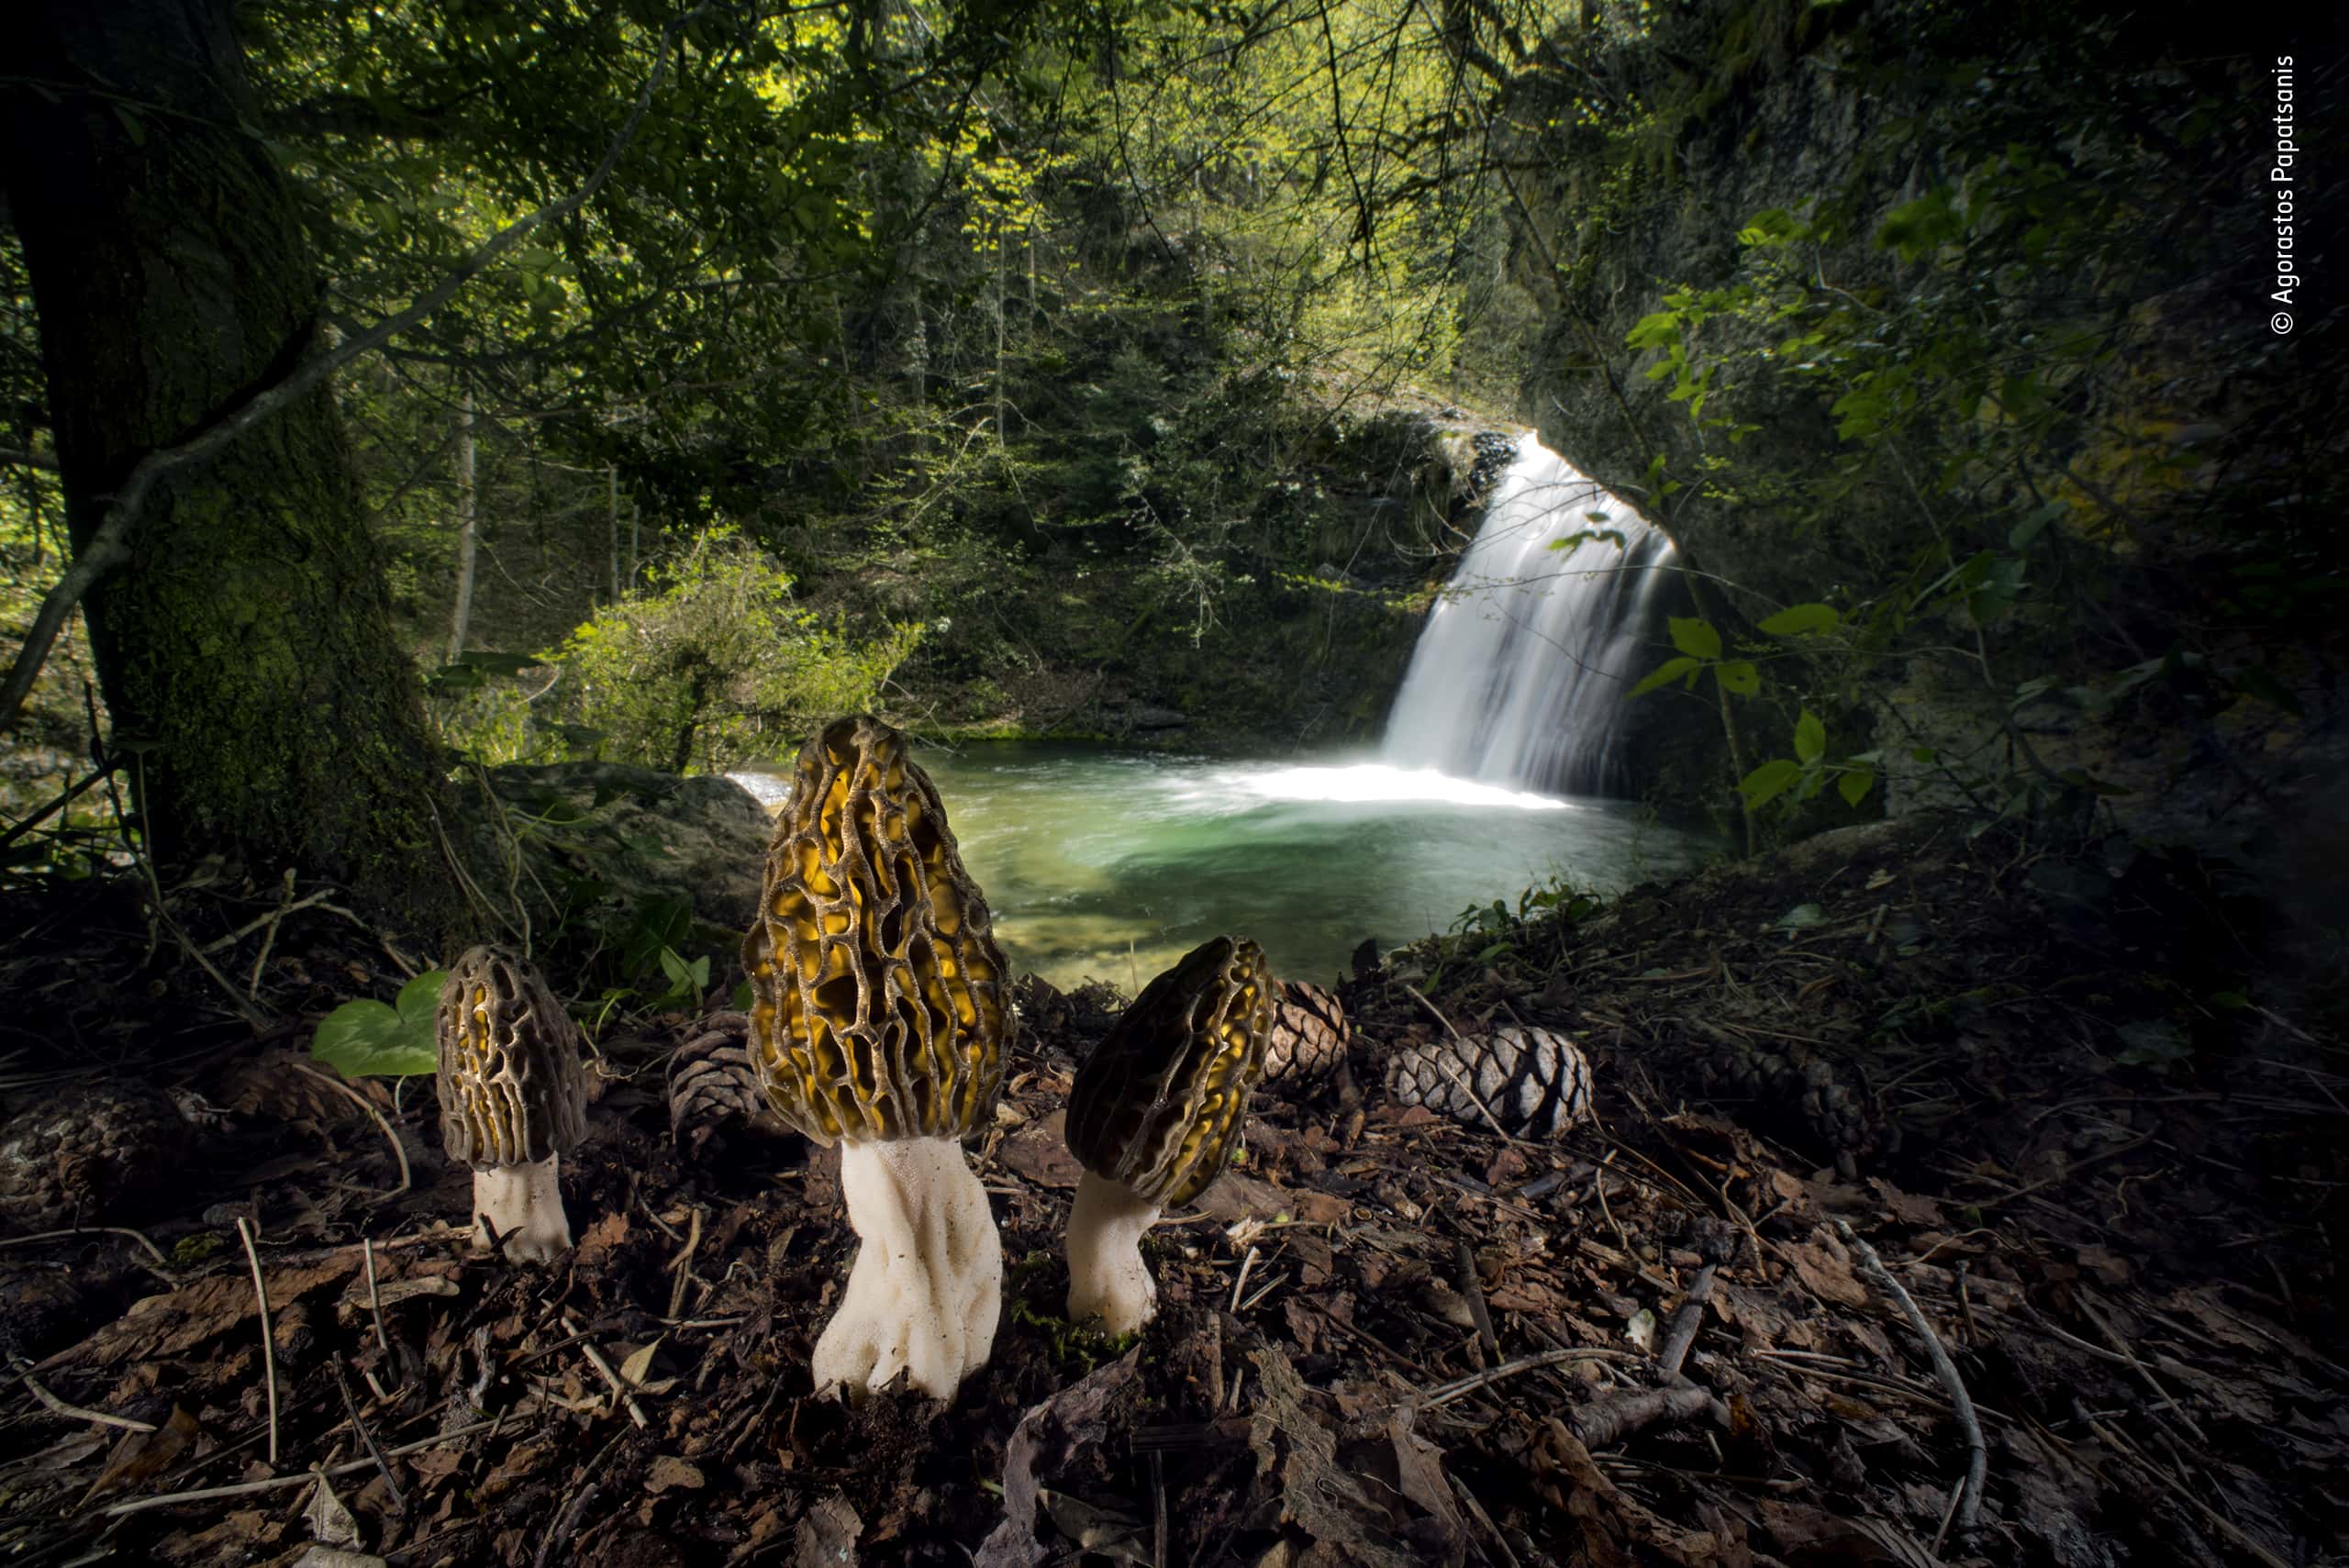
(247, 644)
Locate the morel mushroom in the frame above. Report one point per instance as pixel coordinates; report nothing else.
(878, 1022)
(1154, 1116)
(1534, 1082)
(513, 1100)
(1310, 1034)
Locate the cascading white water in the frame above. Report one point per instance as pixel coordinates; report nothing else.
(1520, 672)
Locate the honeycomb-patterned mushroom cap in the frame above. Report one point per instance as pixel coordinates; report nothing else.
(512, 1090)
(1536, 1082)
(1309, 1035)
(1158, 1106)
(878, 1008)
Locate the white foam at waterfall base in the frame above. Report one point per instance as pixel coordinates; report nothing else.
(1521, 670)
(1378, 783)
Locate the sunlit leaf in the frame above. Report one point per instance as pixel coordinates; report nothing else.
(1695, 637)
(1798, 620)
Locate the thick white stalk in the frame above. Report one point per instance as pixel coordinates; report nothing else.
(1106, 1274)
(927, 1286)
(525, 1204)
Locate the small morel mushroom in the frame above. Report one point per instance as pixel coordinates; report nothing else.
(878, 1022)
(1310, 1034)
(1535, 1081)
(513, 1100)
(1154, 1116)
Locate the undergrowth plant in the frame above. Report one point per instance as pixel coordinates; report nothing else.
(714, 661)
(1997, 495)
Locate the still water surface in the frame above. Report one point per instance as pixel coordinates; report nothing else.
(1113, 864)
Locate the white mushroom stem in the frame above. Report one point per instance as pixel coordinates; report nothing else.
(927, 1286)
(524, 1205)
(1106, 1274)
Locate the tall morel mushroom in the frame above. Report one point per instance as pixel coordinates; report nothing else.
(513, 1100)
(1154, 1116)
(878, 1022)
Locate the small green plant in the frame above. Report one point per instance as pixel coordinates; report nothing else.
(369, 1038)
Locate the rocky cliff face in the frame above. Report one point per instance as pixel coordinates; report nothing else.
(2081, 402)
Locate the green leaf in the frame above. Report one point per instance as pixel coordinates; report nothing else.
(2031, 526)
(365, 1038)
(1738, 677)
(419, 999)
(1854, 783)
(744, 998)
(1696, 637)
(1798, 620)
(1810, 736)
(2152, 1042)
(1653, 331)
(2260, 683)
(1663, 674)
(1768, 782)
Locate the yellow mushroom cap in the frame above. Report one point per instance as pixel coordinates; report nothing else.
(877, 1008)
(512, 1090)
(1158, 1106)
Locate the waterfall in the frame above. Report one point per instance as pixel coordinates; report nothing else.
(1520, 673)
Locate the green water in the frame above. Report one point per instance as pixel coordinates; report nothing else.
(1112, 865)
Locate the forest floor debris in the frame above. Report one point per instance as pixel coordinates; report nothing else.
(1387, 1337)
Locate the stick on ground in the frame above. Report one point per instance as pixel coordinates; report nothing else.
(1977, 1454)
(268, 1339)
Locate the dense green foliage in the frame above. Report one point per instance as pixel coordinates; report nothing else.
(1018, 366)
(1955, 383)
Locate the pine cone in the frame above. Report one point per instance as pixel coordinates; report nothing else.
(1534, 1080)
(1310, 1035)
(102, 1153)
(711, 1082)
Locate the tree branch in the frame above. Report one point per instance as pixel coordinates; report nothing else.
(110, 546)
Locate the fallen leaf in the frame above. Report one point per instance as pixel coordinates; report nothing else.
(2105, 1263)
(1039, 1152)
(1072, 1422)
(597, 1245)
(1826, 1271)
(172, 1324)
(1321, 1495)
(332, 1524)
(1906, 1208)
(669, 1475)
(141, 1455)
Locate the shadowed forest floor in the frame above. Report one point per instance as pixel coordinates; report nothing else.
(1385, 1337)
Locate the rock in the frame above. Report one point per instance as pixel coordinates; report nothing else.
(639, 833)
(1156, 719)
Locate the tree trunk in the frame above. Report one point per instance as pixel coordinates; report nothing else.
(461, 619)
(247, 644)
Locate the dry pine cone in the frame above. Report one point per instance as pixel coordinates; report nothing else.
(712, 1082)
(1309, 1035)
(1535, 1081)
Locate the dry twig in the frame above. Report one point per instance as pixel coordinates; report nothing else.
(1977, 1454)
(268, 1339)
(399, 1149)
(52, 1404)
